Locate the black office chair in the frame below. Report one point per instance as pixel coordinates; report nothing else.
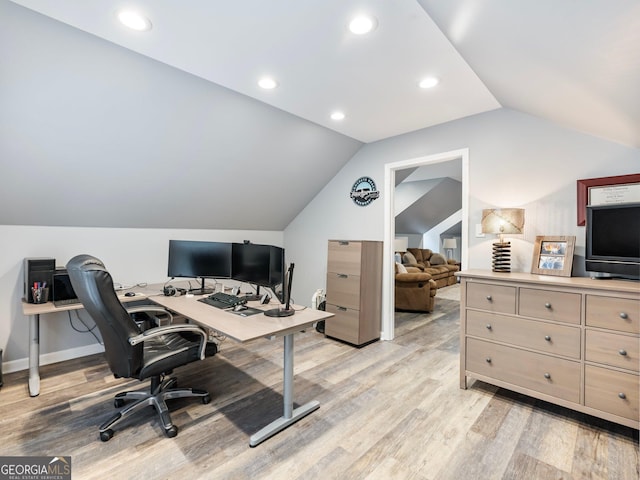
(133, 352)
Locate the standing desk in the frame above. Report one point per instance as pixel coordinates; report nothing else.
(252, 327)
(232, 325)
(34, 310)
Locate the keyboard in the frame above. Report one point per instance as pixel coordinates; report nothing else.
(223, 300)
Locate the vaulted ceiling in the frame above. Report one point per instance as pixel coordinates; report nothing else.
(112, 116)
(575, 63)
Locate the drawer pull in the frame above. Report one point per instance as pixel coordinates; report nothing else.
(489, 326)
(547, 376)
(343, 242)
(623, 315)
(622, 395)
(547, 338)
(622, 352)
(488, 359)
(343, 275)
(342, 309)
(547, 305)
(489, 299)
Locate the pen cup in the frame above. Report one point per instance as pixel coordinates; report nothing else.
(40, 295)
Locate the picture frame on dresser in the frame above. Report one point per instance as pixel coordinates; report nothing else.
(553, 255)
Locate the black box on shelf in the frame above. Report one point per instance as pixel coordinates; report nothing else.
(37, 271)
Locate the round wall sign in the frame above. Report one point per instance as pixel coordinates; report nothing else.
(364, 191)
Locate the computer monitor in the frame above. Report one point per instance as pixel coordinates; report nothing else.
(287, 311)
(197, 259)
(261, 265)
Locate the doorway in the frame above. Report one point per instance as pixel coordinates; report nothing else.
(390, 169)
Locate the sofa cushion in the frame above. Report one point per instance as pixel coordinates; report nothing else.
(400, 268)
(409, 258)
(437, 259)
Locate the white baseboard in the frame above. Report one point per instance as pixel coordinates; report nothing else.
(53, 357)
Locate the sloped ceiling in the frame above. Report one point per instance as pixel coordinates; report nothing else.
(116, 116)
(442, 199)
(576, 63)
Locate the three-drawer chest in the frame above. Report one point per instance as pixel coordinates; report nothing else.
(354, 290)
(572, 341)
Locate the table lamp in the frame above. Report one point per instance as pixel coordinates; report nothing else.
(400, 245)
(449, 246)
(500, 221)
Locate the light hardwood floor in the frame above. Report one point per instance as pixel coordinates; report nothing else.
(390, 410)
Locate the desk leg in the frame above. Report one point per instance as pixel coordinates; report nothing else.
(34, 355)
(290, 416)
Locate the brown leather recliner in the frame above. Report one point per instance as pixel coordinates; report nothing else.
(415, 291)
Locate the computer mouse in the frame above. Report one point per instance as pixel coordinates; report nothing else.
(239, 308)
(129, 294)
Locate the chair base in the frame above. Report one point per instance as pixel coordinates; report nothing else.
(157, 396)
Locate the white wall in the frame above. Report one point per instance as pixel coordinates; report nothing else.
(131, 255)
(516, 160)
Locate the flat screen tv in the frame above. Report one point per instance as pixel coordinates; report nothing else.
(197, 259)
(260, 265)
(613, 240)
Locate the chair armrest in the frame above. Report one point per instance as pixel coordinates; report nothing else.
(183, 327)
(149, 308)
(413, 277)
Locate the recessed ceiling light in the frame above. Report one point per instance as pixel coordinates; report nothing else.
(134, 20)
(267, 83)
(429, 82)
(337, 116)
(362, 24)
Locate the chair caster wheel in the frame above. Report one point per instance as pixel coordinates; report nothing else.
(206, 399)
(118, 403)
(172, 431)
(106, 435)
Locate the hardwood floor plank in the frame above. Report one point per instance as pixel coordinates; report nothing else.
(549, 441)
(524, 466)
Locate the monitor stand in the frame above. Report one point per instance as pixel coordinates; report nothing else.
(251, 298)
(202, 290)
(287, 311)
(276, 312)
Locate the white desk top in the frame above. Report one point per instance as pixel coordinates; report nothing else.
(141, 293)
(242, 329)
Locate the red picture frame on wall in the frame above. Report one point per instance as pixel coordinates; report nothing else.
(585, 184)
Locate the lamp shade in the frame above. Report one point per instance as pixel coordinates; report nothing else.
(450, 243)
(503, 220)
(400, 244)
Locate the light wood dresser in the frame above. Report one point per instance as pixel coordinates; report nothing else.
(354, 289)
(572, 341)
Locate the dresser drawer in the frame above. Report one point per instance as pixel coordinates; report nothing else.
(546, 337)
(343, 290)
(494, 298)
(550, 375)
(621, 314)
(613, 349)
(344, 257)
(550, 305)
(345, 324)
(612, 391)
